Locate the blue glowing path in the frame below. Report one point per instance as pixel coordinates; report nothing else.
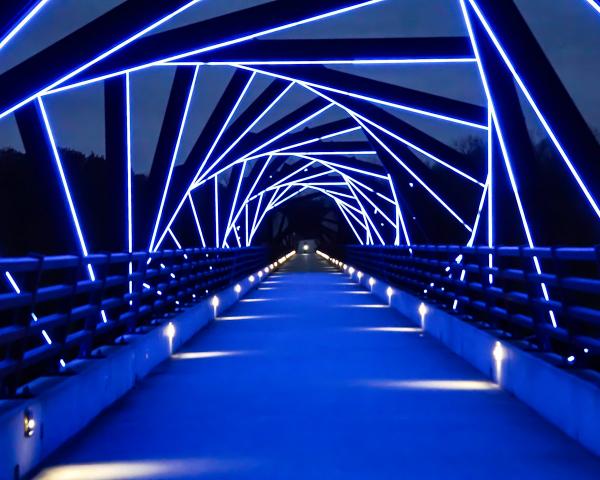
(311, 377)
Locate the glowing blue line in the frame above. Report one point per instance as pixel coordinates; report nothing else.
(252, 230)
(246, 224)
(21, 24)
(397, 137)
(17, 290)
(213, 146)
(417, 178)
(299, 144)
(13, 283)
(278, 182)
(266, 210)
(341, 166)
(47, 337)
(376, 61)
(304, 181)
(366, 215)
(389, 200)
(490, 193)
(341, 152)
(65, 186)
(342, 209)
(197, 220)
(367, 98)
(216, 211)
(537, 111)
(271, 30)
(100, 58)
(129, 170)
(274, 139)
(235, 198)
(247, 199)
(248, 129)
(174, 158)
(389, 220)
(399, 213)
(166, 61)
(225, 125)
(505, 156)
(594, 5)
(290, 196)
(175, 239)
(341, 132)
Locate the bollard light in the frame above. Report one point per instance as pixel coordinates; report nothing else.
(499, 355)
(422, 309)
(260, 274)
(371, 282)
(28, 423)
(170, 331)
(305, 247)
(389, 291)
(251, 278)
(359, 275)
(214, 301)
(238, 288)
(351, 270)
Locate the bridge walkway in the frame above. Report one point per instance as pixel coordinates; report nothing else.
(311, 377)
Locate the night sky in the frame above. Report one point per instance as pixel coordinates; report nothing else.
(568, 30)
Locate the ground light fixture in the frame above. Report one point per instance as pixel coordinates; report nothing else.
(499, 354)
(422, 312)
(29, 423)
(238, 288)
(170, 331)
(251, 278)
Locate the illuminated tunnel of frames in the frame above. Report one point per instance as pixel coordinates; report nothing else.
(298, 142)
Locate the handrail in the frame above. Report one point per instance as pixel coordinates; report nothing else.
(51, 311)
(548, 297)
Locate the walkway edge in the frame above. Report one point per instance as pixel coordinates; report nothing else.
(565, 399)
(63, 405)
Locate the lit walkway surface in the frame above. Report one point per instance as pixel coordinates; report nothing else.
(311, 377)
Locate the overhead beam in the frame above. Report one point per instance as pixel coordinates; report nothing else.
(219, 32)
(346, 50)
(24, 81)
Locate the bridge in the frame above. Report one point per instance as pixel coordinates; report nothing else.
(293, 254)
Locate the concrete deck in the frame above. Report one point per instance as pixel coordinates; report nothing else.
(311, 377)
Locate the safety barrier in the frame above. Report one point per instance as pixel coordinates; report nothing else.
(547, 297)
(55, 309)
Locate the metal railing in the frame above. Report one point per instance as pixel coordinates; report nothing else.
(54, 309)
(549, 298)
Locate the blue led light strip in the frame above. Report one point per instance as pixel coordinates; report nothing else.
(379, 101)
(532, 103)
(66, 190)
(594, 5)
(165, 19)
(22, 23)
(101, 57)
(505, 155)
(174, 158)
(197, 220)
(358, 61)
